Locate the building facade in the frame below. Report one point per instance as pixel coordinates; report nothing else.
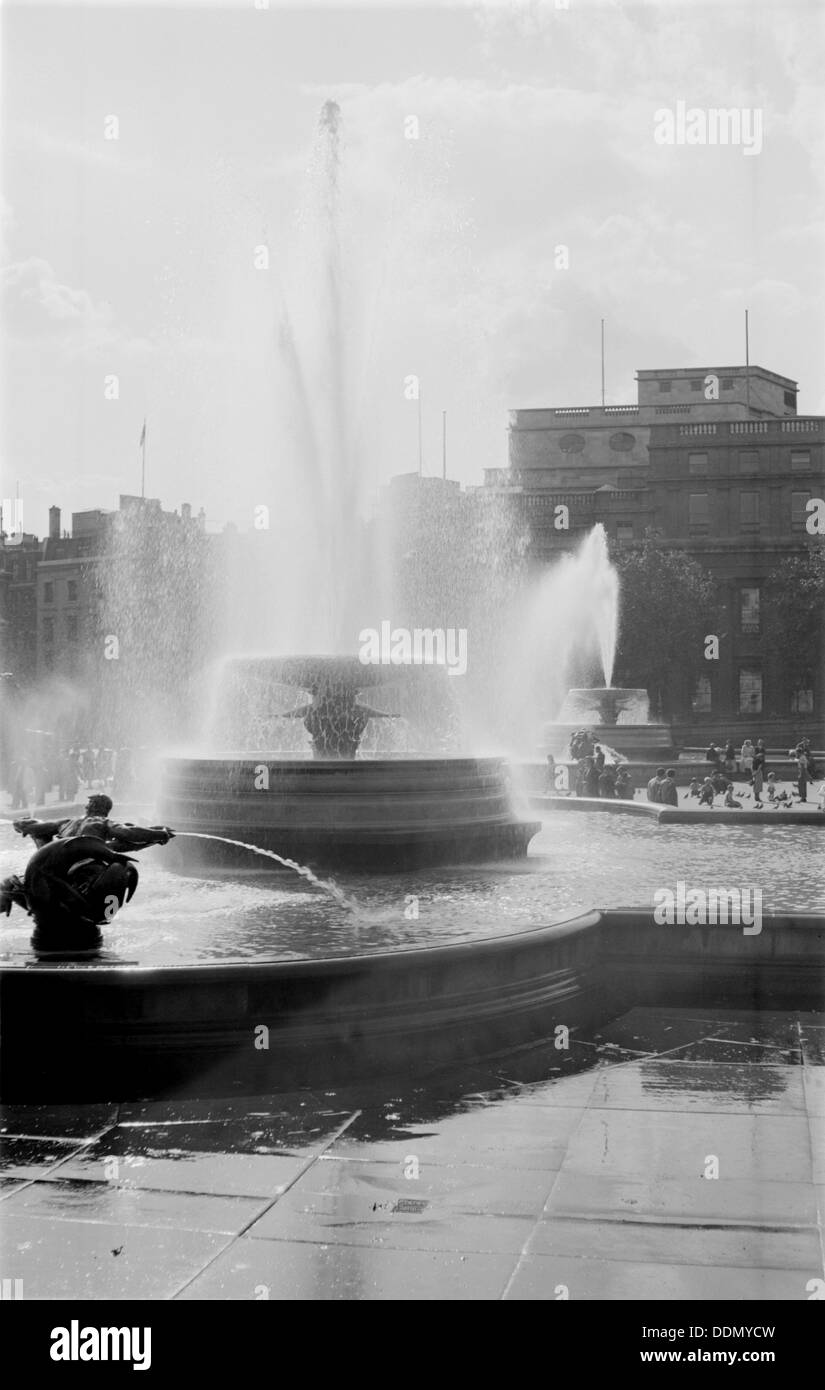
(713, 461)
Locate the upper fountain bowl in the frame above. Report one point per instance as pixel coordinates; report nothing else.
(605, 705)
(623, 714)
(312, 672)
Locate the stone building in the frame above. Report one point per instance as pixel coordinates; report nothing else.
(713, 460)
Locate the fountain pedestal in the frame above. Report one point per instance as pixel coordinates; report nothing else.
(337, 810)
(382, 814)
(619, 717)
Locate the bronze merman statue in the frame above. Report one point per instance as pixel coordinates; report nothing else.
(78, 879)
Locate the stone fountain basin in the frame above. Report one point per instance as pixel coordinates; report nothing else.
(381, 814)
(113, 1032)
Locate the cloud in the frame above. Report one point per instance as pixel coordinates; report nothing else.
(96, 152)
(36, 305)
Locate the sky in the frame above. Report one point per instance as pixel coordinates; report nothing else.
(478, 139)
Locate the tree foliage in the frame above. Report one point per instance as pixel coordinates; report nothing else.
(794, 616)
(667, 605)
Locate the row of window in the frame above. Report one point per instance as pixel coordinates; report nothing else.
(748, 461)
(750, 694)
(749, 509)
(49, 590)
(697, 384)
(726, 384)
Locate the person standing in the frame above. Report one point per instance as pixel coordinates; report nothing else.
(669, 794)
(624, 785)
(607, 783)
(746, 757)
(730, 758)
(591, 778)
(550, 786)
(654, 786)
(758, 773)
(803, 777)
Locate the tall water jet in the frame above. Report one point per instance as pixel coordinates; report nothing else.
(325, 587)
(593, 568)
(565, 634)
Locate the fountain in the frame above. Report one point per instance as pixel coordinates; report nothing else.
(618, 718)
(337, 809)
(265, 994)
(586, 590)
(335, 806)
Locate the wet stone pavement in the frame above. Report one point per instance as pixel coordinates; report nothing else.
(673, 1155)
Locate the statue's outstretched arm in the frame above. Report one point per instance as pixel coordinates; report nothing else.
(123, 837)
(41, 831)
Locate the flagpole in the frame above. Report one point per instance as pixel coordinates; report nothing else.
(444, 444)
(602, 363)
(143, 460)
(747, 364)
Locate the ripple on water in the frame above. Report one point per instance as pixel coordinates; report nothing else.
(578, 861)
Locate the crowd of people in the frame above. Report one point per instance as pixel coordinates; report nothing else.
(595, 775)
(751, 763)
(598, 773)
(37, 773)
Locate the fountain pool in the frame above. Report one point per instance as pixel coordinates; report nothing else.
(588, 860)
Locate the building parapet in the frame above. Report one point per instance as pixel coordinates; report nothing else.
(801, 425)
(764, 429)
(590, 501)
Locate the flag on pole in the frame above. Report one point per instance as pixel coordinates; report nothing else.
(143, 435)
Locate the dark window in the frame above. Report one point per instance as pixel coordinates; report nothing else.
(800, 458)
(72, 591)
(790, 399)
(697, 463)
(698, 509)
(750, 691)
(571, 443)
(799, 508)
(749, 609)
(622, 442)
(48, 630)
(748, 460)
(802, 700)
(749, 508)
(727, 383)
(665, 385)
(701, 702)
(71, 627)
(48, 592)
(695, 385)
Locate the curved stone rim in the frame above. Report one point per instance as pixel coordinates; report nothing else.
(137, 1033)
(671, 815)
(385, 959)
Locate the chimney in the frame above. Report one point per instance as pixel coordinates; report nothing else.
(54, 523)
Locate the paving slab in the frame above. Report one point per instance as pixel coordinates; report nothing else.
(274, 1269)
(120, 1206)
(668, 1242)
(539, 1278)
(102, 1261)
(529, 1177)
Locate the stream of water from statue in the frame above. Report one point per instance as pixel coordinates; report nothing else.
(327, 884)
